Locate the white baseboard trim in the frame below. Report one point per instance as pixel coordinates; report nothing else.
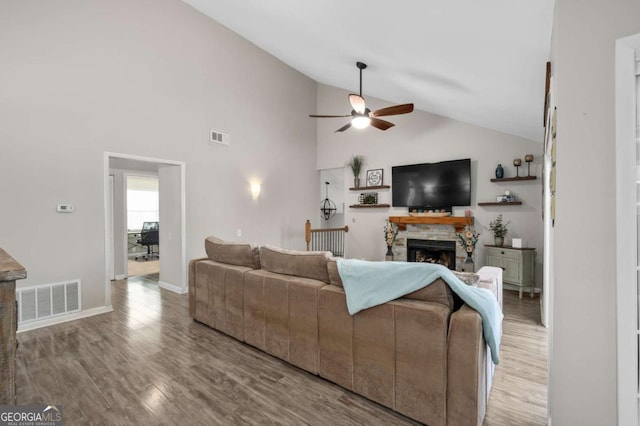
(173, 288)
(121, 277)
(64, 318)
(507, 286)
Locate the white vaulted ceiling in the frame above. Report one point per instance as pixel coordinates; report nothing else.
(481, 62)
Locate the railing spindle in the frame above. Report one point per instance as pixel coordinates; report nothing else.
(330, 239)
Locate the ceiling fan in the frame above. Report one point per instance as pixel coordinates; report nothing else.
(361, 116)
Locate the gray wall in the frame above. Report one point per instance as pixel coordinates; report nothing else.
(583, 345)
(147, 78)
(170, 234)
(421, 137)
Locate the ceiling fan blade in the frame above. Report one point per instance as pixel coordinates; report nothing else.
(380, 124)
(343, 128)
(393, 110)
(357, 103)
(329, 116)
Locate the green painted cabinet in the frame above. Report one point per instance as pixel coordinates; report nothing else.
(518, 265)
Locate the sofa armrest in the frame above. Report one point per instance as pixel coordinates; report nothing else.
(491, 279)
(192, 285)
(466, 369)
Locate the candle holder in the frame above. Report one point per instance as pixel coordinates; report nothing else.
(517, 162)
(528, 158)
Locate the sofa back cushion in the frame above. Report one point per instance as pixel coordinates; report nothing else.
(307, 264)
(438, 291)
(334, 275)
(241, 254)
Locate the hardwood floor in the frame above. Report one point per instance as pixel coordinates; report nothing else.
(147, 267)
(149, 363)
(519, 392)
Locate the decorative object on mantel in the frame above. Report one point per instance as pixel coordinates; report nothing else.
(528, 158)
(429, 214)
(390, 233)
(374, 177)
(499, 172)
(368, 198)
(356, 163)
(499, 229)
(468, 239)
(517, 163)
(327, 207)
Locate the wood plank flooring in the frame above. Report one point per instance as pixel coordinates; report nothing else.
(519, 392)
(143, 267)
(148, 363)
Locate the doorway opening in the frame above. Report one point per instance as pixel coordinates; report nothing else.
(143, 224)
(168, 220)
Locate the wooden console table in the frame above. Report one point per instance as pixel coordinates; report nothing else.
(10, 271)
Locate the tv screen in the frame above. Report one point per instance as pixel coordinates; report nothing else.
(432, 186)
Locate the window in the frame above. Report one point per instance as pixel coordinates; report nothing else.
(142, 201)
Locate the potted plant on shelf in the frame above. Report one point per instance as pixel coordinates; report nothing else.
(356, 163)
(499, 229)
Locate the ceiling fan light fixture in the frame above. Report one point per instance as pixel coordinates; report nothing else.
(361, 116)
(360, 121)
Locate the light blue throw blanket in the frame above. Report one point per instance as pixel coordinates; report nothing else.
(368, 284)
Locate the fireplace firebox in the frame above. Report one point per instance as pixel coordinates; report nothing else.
(442, 252)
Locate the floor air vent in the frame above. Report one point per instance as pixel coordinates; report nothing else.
(48, 300)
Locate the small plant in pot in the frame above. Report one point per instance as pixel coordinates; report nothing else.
(369, 199)
(356, 163)
(499, 229)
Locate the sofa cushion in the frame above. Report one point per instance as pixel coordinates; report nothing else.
(334, 275)
(469, 278)
(307, 264)
(241, 254)
(438, 292)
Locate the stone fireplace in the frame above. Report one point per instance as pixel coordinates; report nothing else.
(439, 234)
(432, 251)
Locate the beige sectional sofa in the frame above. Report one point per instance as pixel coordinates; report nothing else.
(423, 355)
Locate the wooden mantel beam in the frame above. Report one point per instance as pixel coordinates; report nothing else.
(459, 222)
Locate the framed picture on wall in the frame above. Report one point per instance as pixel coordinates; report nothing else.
(374, 177)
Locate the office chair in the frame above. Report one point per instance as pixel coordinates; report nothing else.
(149, 237)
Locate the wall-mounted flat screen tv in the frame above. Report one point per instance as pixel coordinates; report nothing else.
(432, 186)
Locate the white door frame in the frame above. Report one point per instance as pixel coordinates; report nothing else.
(110, 230)
(183, 255)
(626, 52)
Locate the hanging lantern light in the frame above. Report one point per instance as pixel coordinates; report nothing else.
(327, 207)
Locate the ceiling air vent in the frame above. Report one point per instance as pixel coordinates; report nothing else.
(219, 137)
